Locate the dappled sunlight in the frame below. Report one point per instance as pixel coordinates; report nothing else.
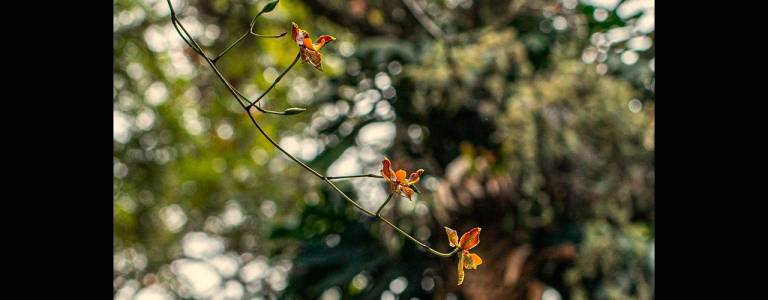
(531, 119)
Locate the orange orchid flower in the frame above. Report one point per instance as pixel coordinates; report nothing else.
(468, 240)
(397, 182)
(310, 52)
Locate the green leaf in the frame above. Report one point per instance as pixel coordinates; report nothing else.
(269, 7)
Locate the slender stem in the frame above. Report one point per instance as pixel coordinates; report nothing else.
(250, 31)
(378, 212)
(367, 212)
(428, 248)
(266, 111)
(308, 168)
(253, 21)
(268, 36)
(242, 37)
(242, 100)
(354, 176)
(174, 21)
(242, 96)
(230, 47)
(295, 60)
(433, 251)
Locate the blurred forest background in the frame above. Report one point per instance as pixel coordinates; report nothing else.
(533, 120)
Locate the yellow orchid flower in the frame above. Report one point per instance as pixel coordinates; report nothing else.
(397, 181)
(468, 240)
(310, 52)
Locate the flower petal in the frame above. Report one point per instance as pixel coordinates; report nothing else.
(295, 33)
(472, 261)
(470, 239)
(312, 57)
(400, 174)
(307, 42)
(304, 52)
(461, 268)
(476, 259)
(415, 176)
(453, 237)
(408, 192)
(386, 169)
(322, 40)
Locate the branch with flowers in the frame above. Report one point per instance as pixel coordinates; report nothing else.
(399, 184)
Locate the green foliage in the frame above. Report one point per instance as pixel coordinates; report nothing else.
(542, 136)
